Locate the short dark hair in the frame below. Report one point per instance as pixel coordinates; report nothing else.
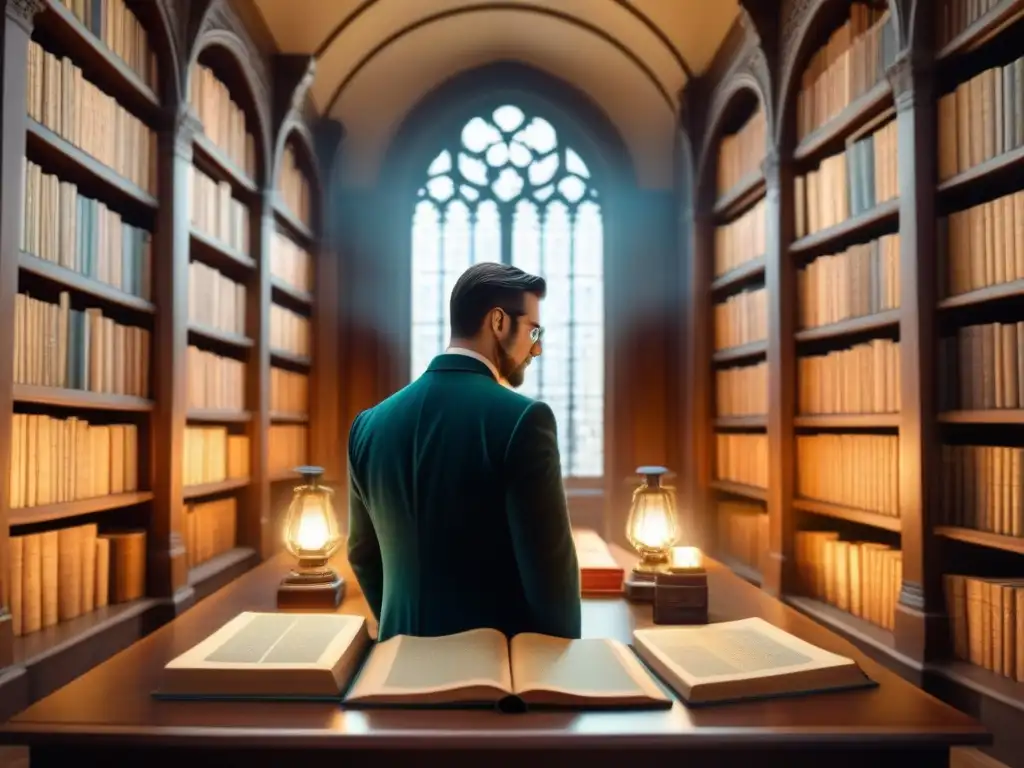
(485, 286)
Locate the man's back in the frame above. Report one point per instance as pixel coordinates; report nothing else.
(457, 513)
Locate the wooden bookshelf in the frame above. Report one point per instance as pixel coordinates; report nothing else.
(941, 297)
(133, 413)
(730, 398)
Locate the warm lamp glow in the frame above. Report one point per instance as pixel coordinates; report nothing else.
(687, 559)
(652, 527)
(312, 530)
(312, 535)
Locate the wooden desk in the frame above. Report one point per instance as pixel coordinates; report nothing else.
(107, 716)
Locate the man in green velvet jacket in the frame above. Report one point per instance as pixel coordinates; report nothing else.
(457, 513)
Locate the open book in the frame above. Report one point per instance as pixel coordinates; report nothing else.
(483, 667)
(746, 659)
(271, 655)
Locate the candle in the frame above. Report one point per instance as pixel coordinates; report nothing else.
(686, 559)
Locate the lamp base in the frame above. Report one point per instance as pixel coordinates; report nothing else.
(318, 591)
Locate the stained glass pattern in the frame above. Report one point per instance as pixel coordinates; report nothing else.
(508, 190)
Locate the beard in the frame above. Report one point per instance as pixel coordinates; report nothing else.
(514, 373)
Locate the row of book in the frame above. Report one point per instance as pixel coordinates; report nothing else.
(986, 622)
(982, 245)
(862, 280)
(862, 578)
(83, 235)
(57, 460)
(114, 24)
(954, 16)
(210, 528)
(849, 183)
(222, 118)
(289, 446)
(61, 574)
(852, 470)
(289, 391)
(862, 379)
(291, 263)
(211, 455)
(743, 532)
(742, 458)
(855, 57)
(215, 382)
(294, 186)
(740, 154)
(742, 391)
(215, 300)
(981, 367)
(215, 213)
(57, 346)
(59, 97)
(981, 119)
(741, 319)
(289, 331)
(741, 240)
(981, 488)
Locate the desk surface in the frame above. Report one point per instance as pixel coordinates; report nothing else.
(112, 702)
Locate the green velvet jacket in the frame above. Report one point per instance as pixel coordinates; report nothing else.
(457, 513)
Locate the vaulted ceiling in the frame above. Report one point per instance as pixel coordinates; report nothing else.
(377, 58)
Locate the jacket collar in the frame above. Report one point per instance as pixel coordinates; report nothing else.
(460, 362)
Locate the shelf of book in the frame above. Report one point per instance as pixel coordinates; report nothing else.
(1005, 416)
(740, 489)
(849, 514)
(94, 257)
(219, 416)
(743, 351)
(105, 295)
(741, 196)
(44, 146)
(216, 488)
(46, 513)
(750, 271)
(847, 421)
(861, 227)
(1001, 541)
(852, 326)
(857, 113)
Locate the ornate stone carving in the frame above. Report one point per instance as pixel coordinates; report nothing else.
(184, 129)
(223, 17)
(23, 12)
(911, 78)
(794, 15)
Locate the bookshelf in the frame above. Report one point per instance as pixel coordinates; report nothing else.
(733, 483)
(892, 335)
(139, 277)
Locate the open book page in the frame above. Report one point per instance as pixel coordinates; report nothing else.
(749, 658)
(272, 654)
(469, 666)
(554, 670)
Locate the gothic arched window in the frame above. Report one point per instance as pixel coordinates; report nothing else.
(507, 189)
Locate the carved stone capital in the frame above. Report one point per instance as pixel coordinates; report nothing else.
(911, 79)
(912, 596)
(184, 129)
(23, 12)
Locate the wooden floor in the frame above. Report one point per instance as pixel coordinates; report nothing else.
(16, 757)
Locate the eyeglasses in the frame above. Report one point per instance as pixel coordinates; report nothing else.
(536, 331)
